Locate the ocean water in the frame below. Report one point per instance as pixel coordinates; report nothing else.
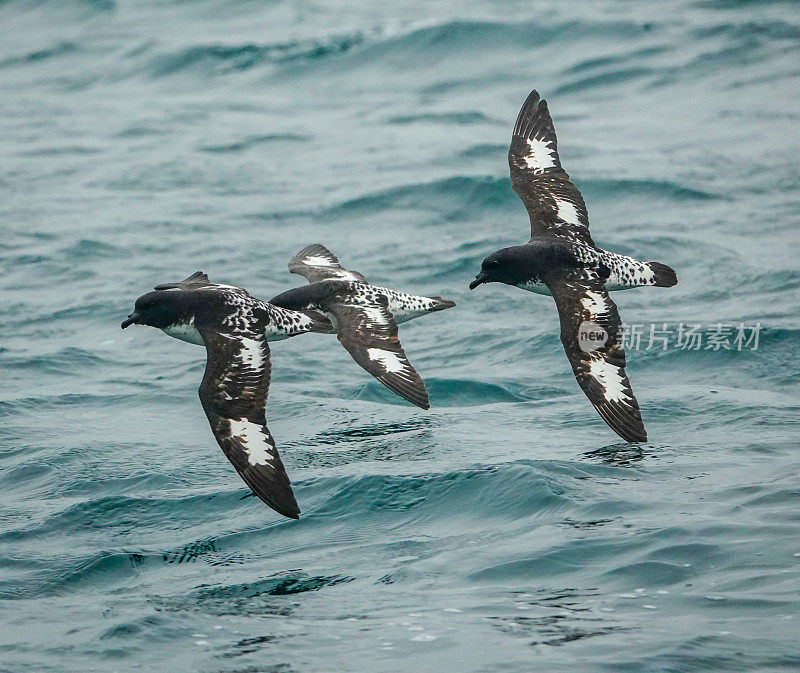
(507, 529)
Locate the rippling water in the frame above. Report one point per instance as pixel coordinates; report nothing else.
(506, 529)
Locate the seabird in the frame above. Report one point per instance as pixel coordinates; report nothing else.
(562, 260)
(364, 316)
(235, 328)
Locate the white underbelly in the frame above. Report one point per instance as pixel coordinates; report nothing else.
(185, 332)
(535, 286)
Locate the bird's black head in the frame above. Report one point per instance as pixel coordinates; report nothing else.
(508, 265)
(156, 309)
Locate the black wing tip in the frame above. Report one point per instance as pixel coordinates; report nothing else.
(273, 488)
(532, 100)
(627, 423)
(285, 506)
(536, 102)
(425, 404)
(419, 401)
(533, 107)
(634, 435)
(314, 248)
(290, 513)
(196, 276)
(413, 391)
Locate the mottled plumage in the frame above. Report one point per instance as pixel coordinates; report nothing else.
(364, 316)
(235, 328)
(562, 260)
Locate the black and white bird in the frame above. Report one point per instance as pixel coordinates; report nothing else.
(364, 316)
(235, 328)
(562, 260)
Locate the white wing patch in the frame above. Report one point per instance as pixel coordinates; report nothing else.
(610, 380)
(251, 353)
(595, 303)
(214, 286)
(540, 156)
(343, 274)
(374, 315)
(259, 450)
(389, 360)
(316, 260)
(567, 212)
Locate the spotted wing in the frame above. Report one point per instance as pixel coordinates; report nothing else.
(316, 262)
(369, 333)
(554, 204)
(234, 396)
(586, 312)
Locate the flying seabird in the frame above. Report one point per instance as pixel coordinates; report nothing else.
(364, 316)
(562, 260)
(235, 328)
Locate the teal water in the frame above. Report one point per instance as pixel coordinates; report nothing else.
(505, 530)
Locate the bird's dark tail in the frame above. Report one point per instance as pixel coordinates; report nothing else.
(441, 303)
(322, 324)
(664, 276)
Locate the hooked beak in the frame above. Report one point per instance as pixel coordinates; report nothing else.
(481, 278)
(132, 318)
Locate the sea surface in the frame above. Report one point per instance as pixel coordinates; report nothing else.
(505, 530)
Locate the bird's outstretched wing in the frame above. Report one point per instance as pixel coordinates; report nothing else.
(554, 204)
(591, 332)
(234, 396)
(316, 262)
(369, 333)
